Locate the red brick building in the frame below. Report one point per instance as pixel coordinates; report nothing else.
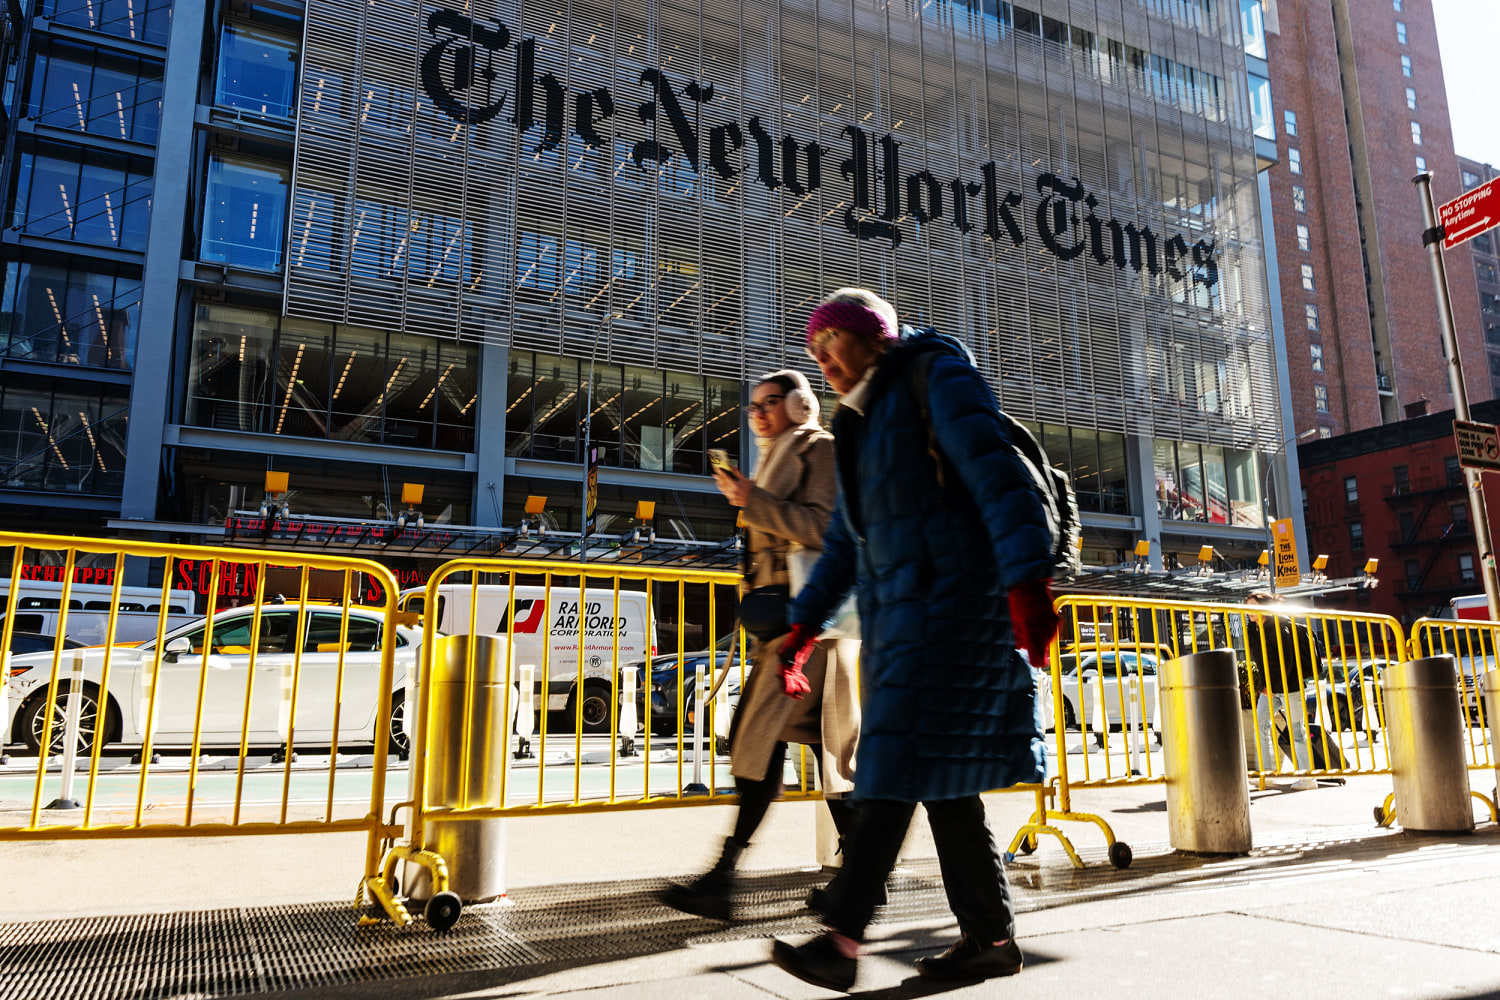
(1396, 493)
(1360, 108)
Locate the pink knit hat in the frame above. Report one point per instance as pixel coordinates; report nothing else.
(858, 311)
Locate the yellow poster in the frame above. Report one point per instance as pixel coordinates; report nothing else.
(1288, 573)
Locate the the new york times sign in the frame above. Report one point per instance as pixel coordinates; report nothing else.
(459, 73)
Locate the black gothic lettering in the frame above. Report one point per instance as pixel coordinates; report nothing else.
(765, 160)
(1056, 213)
(962, 191)
(722, 139)
(1203, 257)
(924, 196)
(858, 170)
(1139, 252)
(997, 210)
(789, 150)
(666, 101)
(1177, 249)
(1096, 231)
(469, 37)
(588, 111)
(552, 130)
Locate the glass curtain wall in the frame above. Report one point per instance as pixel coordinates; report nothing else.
(1207, 483)
(244, 213)
(85, 88)
(139, 20)
(639, 418)
(257, 71)
(304, 379)
(60, 441)
(69, 317)
(99, 198)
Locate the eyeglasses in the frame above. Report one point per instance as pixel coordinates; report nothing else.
(818, 346)
(767, 405)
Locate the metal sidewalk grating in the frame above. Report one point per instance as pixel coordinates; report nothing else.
(238, 951)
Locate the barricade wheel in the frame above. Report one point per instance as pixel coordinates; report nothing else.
(1380, 815)
(1120, 854)
(443, 910)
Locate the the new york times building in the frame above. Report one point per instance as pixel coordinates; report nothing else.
(431, 241)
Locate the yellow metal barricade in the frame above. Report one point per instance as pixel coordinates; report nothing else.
(1473, 645)
(568, 631)
(1105, 702)
(311, 668)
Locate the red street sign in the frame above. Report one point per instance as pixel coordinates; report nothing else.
(1470, 214)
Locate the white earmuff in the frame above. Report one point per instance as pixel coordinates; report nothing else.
(801, 406)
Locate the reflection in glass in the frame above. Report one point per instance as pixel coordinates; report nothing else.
(141, 20)
(1253, 26)
(88, 89)
(69, 317)
(104, 202)
(1260, 107)
(257, 71)
(60, 441)
(244, 214)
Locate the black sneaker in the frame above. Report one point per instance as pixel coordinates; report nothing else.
(819, 962)
(818, 896)
(711, 896)
(970, 958)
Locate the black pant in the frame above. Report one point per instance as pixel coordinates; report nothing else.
(973, 876)
(756, 797)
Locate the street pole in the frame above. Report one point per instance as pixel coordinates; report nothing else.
(1265, 503)
(1432, 239)
(588, 422)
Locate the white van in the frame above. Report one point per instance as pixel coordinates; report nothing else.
(39, 609)
(559, 619)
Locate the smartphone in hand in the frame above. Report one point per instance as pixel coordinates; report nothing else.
(718, 458)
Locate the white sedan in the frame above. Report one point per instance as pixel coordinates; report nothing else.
(223, 670)
(1122, 683)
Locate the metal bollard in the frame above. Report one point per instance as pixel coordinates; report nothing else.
(72, 716)
(1424, 722)
(1492, 703)
(474, 849)
(628, 721)
(1208, 797)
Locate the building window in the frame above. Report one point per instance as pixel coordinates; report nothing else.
(257, 71)
(1416, 133)
(244, 214)
(100, 91)
(1485, 272)
(1351, 489)
(1304, 239)
(1453, 473)
(104, 201)
(1294, 160)
(1289, 118)
(1261, 122)
(62, 442)
(1413, 573)
(251, 372)
(1489, 304)
(1307, 278)
(1317, 356)
(1494, 364)
(1356, 535)
(1466, 568)
(1312, 324)
(1406, 65)
(1325, 433)
(69, 317)
(1471, 179)
(1401, 32)
(1458, 513)
(1253, 27)
(1401, 477)
(140, 20)
(1397, 5)
(1411, 98)
(1299, 198)
(1320, 398)
(1482, 243)
(1492, 335)
(1421, 164)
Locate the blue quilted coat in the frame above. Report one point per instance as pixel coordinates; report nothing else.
(948, 702)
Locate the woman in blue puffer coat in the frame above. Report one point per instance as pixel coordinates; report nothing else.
(946, 538)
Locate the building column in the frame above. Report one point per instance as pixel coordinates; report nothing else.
(1286, 471)
(150, 394)
(1142, 484)
(489, 435)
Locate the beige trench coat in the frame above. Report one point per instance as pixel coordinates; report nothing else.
(792, 502)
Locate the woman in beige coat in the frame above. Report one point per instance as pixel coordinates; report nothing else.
(786, 504)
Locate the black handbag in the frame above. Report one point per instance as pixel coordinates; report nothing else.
(763, 611)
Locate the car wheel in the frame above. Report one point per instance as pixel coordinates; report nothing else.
(396, 739)
(597, 696)
(33, 721)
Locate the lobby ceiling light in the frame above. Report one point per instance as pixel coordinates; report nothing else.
(438, 385)
(470, 403)
(291, 383)
(78, 103)
(48, 431)
(88, 430)
(512, 406)
(342, 378)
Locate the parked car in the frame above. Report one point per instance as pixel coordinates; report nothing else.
(224, 670)
(34, 642)
(1348, 701)
(1101, 677)
(663, 717)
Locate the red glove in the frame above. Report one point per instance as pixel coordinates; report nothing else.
(795, 650)
(1033, 619)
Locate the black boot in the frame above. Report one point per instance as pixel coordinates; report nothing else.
(712, 893)
(818, 896)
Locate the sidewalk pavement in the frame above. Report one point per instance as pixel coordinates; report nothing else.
(1326, 906)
